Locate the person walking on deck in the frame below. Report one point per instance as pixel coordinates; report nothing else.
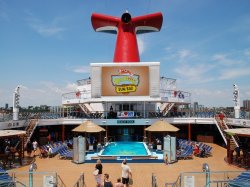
(126, 173)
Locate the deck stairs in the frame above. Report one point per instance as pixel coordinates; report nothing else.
(166, 107)
(30, 128)
(86, 108)
(222, 125)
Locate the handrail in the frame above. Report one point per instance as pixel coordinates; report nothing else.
(220, 130)
(154, 181)
(222, 178)
(222, 126)
(80, 182)
(177, 183)
(62, 184)
(182, 112)
(235, 137)
(18, 182)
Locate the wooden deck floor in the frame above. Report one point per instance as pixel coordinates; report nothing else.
(142, 172)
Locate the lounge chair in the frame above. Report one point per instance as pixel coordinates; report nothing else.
(243, 180)
(186, 153)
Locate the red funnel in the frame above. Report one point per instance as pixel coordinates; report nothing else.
(126, 29)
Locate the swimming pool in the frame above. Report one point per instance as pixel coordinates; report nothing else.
(125, 149)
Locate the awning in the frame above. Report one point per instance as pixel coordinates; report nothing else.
(239, 132)
(7, 133)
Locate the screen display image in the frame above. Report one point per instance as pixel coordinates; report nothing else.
(125, 80)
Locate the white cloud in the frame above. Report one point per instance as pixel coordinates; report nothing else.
(181, 56)
(247, 52)
(218, 97)
(79, 69)
(70, 87)
(48, 93)
(184, 53)
(141, 45)
(197, 74)
(234, 73)
(48, 29)
(224, 60)
(167, 49)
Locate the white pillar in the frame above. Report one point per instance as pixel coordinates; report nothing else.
(16, 96)
(236, 100)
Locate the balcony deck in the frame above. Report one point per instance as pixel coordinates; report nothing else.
(142, 172)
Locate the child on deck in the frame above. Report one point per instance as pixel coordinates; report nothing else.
(166, 159)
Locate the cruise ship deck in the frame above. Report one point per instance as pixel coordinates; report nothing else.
(142, 172)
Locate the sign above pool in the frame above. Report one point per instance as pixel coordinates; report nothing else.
(125, 80)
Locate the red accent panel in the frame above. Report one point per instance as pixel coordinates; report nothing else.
(152, 20)
(126, 44)
(100, 20)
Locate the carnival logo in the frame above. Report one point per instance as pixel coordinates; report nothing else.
(125, 82)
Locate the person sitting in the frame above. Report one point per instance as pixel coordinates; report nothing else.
(49, 151)
(237, 158)
(107, 182)
(196, 150)
(7, 150)
(203, 153)
(29, 148)
(44, 153)
(119, 183)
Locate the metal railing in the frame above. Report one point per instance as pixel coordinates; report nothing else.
(80, 182)
(165, 95)
(154, 180)
(30, 179)
(179, 113)
(60, 182)
(207, 179)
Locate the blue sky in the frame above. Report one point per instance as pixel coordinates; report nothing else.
(46, 46)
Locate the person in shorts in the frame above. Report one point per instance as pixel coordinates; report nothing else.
(98, 177)
(126, 173)
(35, 145)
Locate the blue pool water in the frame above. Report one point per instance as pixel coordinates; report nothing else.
(125, 149)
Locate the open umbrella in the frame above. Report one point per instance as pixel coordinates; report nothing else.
(162, 126)
(89, 127)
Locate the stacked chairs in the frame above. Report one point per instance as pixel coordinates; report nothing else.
(65, 153)
(185, 153)
(183, 144)
(207, 148)
(59, 148)
(5, 179)
(243, 180)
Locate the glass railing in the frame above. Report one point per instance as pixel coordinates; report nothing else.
(165, 95)
(211, 179)
(30, 179)
(137, 114)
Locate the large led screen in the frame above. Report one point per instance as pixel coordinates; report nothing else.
(125, 81)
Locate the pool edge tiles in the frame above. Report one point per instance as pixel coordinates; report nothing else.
(105, 152)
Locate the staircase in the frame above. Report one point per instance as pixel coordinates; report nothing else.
(166, 107)
(222, 125)
(30, 130)
(86, 108)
